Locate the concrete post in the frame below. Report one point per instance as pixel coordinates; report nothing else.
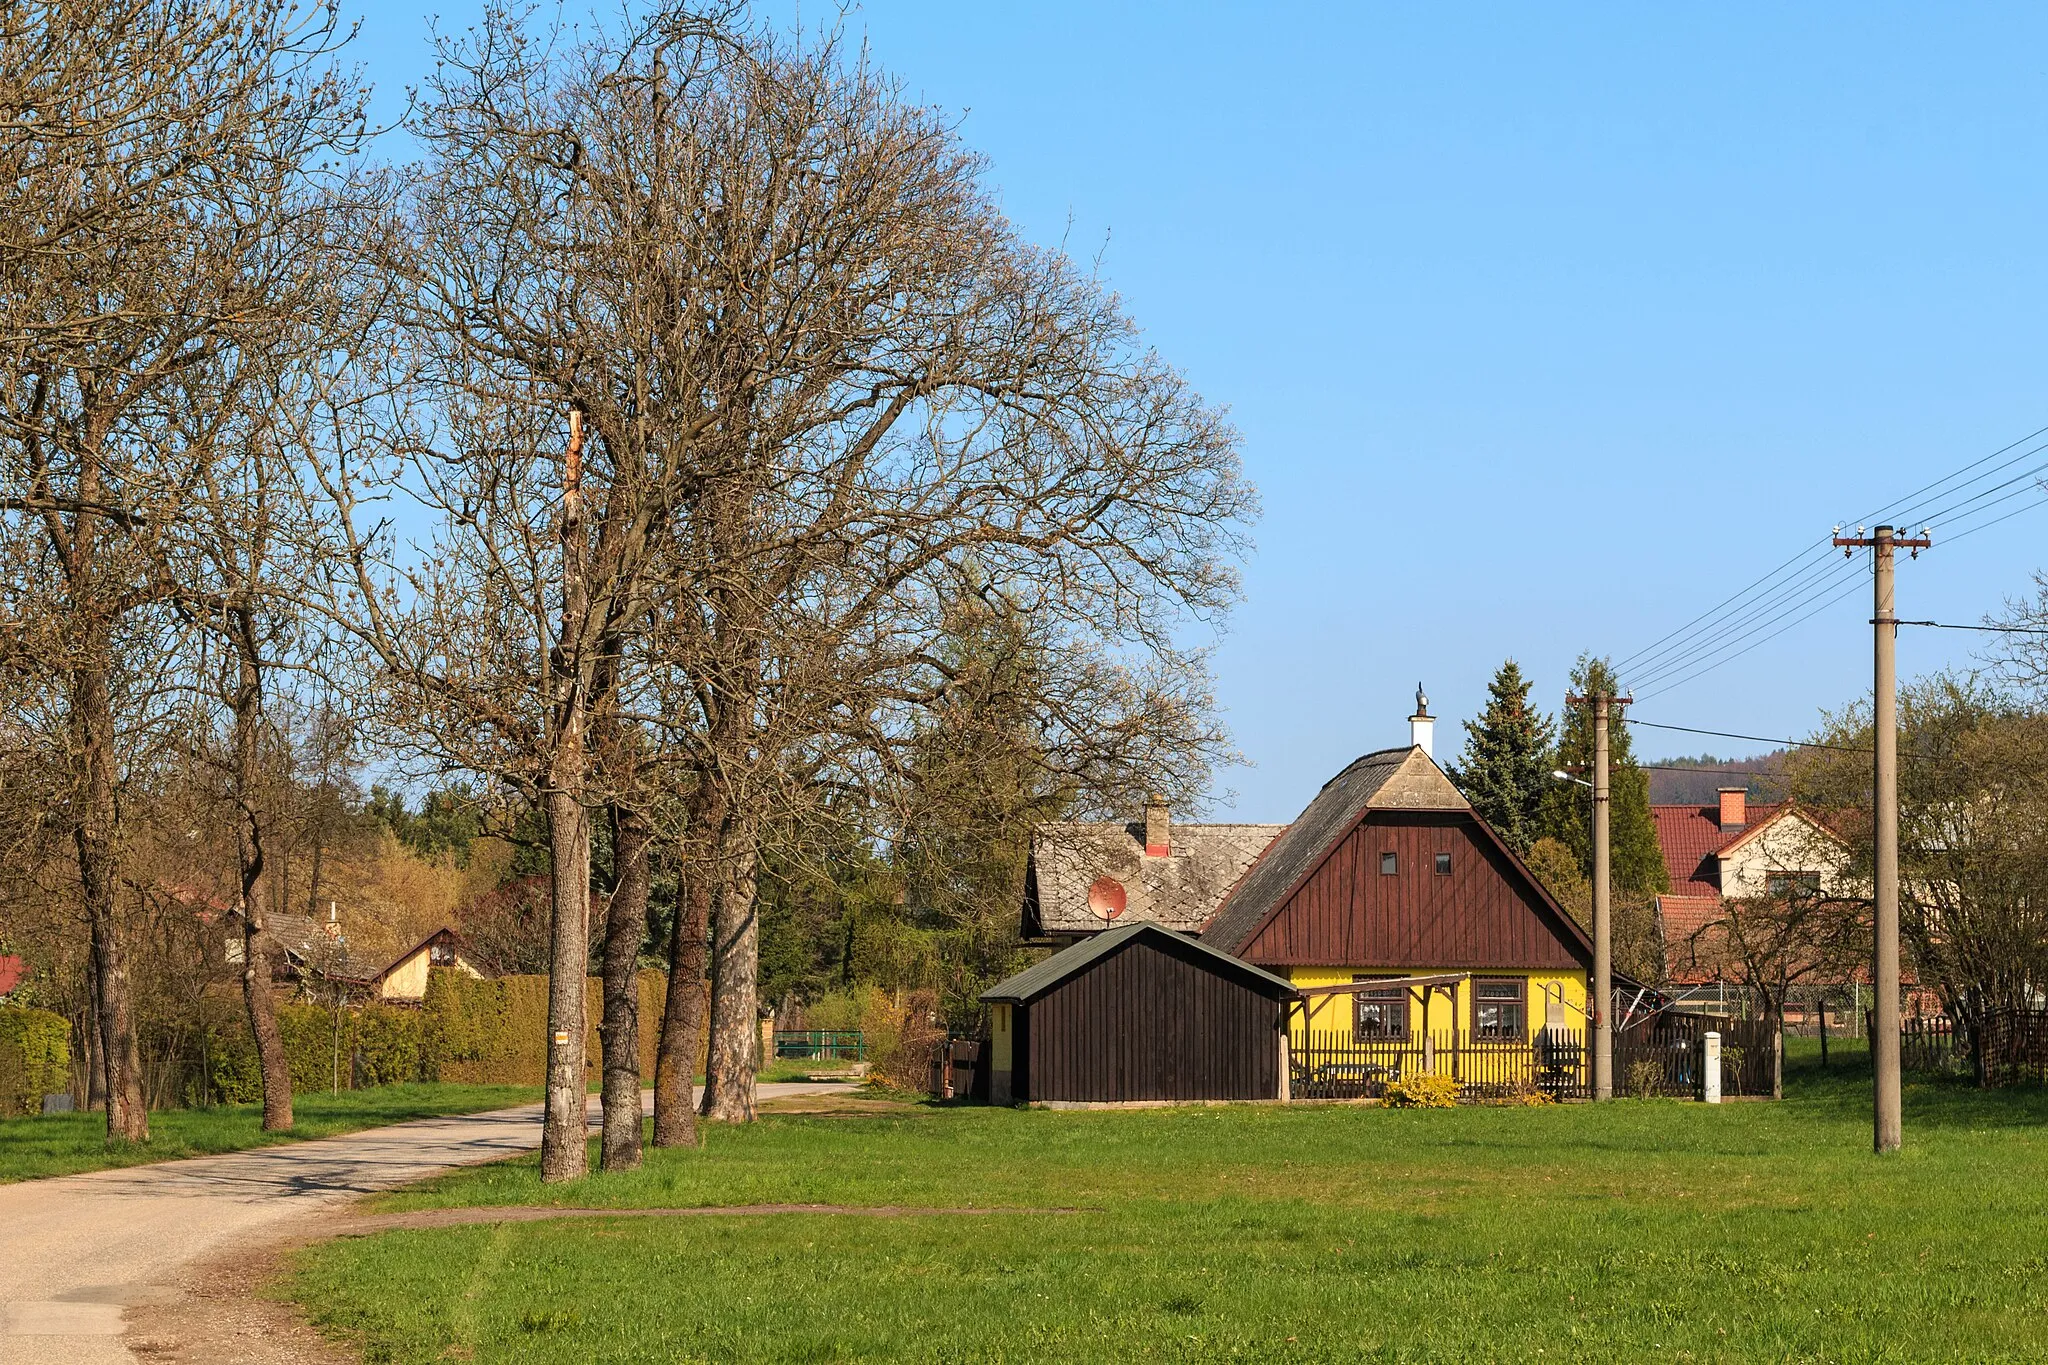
(1602, 1002)
(1710, 1068)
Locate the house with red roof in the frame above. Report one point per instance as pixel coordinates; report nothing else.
(1732, 850)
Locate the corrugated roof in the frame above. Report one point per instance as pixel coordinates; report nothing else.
(1179, 891)
(1404, 778)
(1036, 980)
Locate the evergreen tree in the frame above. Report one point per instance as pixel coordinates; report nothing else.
(1505, 769)
(1638, 864)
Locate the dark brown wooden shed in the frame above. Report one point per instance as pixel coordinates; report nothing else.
(1138, 1013)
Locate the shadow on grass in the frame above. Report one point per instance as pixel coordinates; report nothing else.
(1841, 1088)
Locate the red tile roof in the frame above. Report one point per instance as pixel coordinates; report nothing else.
(1692, 946)
(11, 972)
(1691, 836)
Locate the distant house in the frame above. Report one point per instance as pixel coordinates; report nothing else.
(11, 972)
(317, 953)
(1732, 850)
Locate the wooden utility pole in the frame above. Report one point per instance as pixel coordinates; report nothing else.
(1886, 1109)
(1599, 1006)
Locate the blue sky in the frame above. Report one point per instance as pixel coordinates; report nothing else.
(1546, 329)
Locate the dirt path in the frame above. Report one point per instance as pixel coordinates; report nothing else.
(77, 1253)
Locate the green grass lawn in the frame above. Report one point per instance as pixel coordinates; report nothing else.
(63, 1144)
(1645, 1229)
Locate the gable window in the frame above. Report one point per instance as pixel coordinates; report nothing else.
(1390, 864)
(1379, 1015)
(1500, 1009)
(1781, 884)
(1443, 864)
(441, 955)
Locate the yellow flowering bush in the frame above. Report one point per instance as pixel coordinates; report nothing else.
(1424, 1090)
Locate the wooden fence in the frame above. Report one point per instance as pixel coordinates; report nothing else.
(1335, 1064)
(1660, 1055)
(1657, 1056)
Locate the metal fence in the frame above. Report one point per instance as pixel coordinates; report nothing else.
(821, 1044)
(2014, 1042)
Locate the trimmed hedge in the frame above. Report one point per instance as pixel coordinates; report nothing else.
(485, 1032)
(467, 1030)
(35, 1058)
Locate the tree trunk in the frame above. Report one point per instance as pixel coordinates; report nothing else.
(1777, 1020)
(95, 1038)
(624, 929)
(92, 725)
(564, 1154)
(683, 1017)
(735, 978)
(257, 996)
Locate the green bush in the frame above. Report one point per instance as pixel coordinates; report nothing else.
(35, 1058)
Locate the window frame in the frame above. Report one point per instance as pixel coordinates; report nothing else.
(1520, 1003)
(1801, 881)
(1359, 1000)
(1443, 864)
(1390, 863)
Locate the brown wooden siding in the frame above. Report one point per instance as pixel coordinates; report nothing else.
(1482, 915)
(1150, 1023)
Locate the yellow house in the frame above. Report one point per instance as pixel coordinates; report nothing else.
(1389, 875)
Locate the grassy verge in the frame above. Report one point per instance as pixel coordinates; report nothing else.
(64, 1144)
(1752, 1231)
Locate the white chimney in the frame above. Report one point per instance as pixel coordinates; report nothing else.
(1422, 725)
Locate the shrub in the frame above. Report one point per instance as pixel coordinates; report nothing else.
(1524, 1095)
(35, 1058)
(1645, 1079)
(1423, 1090)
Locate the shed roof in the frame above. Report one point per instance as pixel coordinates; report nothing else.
(1179, 891)
(1403, 779)
(1036, 980)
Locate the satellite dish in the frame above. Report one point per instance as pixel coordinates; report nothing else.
(1106, 897)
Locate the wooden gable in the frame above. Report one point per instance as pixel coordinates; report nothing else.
(1487, 913)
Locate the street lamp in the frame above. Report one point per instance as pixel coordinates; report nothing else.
(1563, 776)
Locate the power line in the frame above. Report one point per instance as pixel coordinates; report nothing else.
(2001, 630)
(1755, 739)
(1802, 578)
(1707, 667)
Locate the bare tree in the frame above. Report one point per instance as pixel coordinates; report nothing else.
(1973, 838)
(149, 142)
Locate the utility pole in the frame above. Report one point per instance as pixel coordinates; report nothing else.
(1886, 1107)
(1600, 1007)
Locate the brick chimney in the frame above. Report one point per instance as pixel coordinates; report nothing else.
(1734, 808)
(1158, 829)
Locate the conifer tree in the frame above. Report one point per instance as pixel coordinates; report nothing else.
(1505, 769)
(1638, 863)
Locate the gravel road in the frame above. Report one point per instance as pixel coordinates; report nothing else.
(78, 1252)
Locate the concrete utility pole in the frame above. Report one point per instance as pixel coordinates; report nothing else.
(1599, 1008)
(1886, 1108)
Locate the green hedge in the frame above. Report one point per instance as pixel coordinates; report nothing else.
(35, 1058)
(467, 1030)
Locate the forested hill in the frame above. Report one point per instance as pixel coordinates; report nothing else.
(1685, 779)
